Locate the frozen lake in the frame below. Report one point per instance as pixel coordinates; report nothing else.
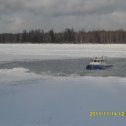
(59, 93)
(48, 85)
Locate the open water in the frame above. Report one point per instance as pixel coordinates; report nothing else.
(67, 67)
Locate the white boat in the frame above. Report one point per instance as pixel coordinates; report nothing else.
(98, 63)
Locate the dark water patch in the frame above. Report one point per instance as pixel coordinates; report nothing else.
(66, 67)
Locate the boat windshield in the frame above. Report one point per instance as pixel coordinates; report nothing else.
(97, 60)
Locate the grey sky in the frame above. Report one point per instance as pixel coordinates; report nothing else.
(17, 15)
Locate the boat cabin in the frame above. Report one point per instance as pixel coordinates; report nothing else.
(97, 60)
(98, 63)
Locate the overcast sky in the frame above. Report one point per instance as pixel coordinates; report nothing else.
(17, 15)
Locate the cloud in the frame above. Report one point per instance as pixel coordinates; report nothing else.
(58, 14)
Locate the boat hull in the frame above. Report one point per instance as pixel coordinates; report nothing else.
(98, 67)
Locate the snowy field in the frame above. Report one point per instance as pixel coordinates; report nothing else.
(30, 98)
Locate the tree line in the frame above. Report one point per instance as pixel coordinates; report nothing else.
(66, 36)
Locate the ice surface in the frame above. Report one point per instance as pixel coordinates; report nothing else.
(59, 51)
(16, 74)
(31, 99)
(35, 100)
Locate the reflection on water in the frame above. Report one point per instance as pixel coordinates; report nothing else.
(68, 67)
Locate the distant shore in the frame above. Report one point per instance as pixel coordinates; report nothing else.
(69, 35)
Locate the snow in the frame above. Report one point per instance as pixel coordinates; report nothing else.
(10, 52)
(31, 99)
(60, 101)
(16, 74)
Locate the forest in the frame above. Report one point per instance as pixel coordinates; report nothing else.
(66, 36)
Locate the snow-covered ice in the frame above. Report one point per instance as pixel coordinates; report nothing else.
(60, 101)
(59, 51)
(31, 99)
